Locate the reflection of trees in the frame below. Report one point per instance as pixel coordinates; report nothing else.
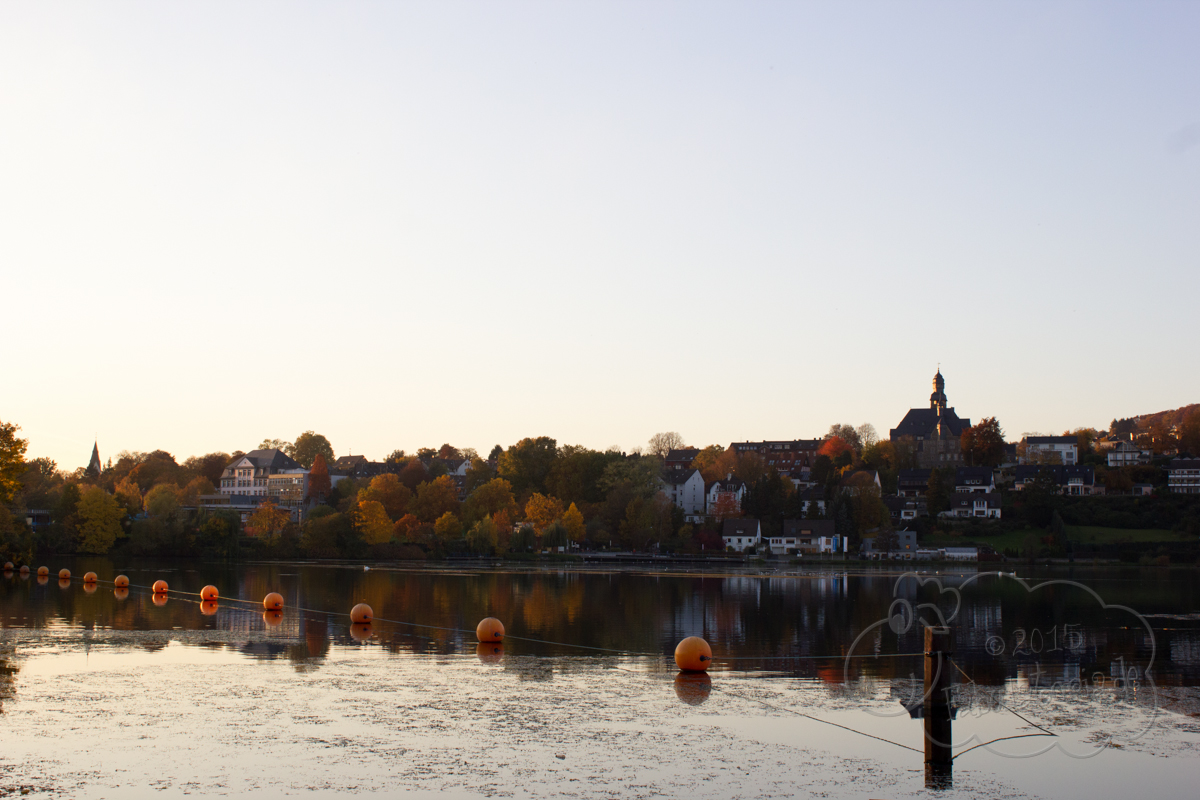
(8, 678)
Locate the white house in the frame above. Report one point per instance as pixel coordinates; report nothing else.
(978, 505)
(974, 479)
(685, 488)
(1051, 450)
(1127, 454)
(741, 535)
(726, 494)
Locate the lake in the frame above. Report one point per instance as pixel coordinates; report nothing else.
(1076, 682)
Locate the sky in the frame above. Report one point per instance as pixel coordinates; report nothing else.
(403, 224)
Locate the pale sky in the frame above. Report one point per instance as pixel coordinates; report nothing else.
(402, 224)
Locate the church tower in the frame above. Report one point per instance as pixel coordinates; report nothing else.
(937, 400)
(94, 468)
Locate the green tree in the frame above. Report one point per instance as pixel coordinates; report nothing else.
(479, 473)
(982, 444)
(100, 518)
(12, 461)
(307, 445)
(218, 534)
(555, 535)
(939, 490)
(483, 537)
(1040, 498)
(527, 463)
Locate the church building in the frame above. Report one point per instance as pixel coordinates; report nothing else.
(935, 432)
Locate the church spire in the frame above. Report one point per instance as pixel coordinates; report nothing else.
(94, 468)
(937, 400)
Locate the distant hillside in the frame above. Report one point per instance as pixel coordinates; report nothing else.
(1171, 418)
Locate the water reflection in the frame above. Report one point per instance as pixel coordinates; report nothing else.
(800, 625)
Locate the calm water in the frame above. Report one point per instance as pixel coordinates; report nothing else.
(1105, 659)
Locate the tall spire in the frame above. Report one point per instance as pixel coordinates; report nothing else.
(937, 400)
(94, 468)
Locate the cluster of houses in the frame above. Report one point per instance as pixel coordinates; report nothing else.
(934, 434)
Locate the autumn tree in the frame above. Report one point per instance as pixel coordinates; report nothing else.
(495, 453)
(209, 465)
(575, 474)
(99, 516)
(848, 434)
(834, 446)
(572, 520)
(708, 462)
(269, 520)
(983, 444)
(405, 528)
(541, 511)
(448, 451)
(389, 491)
(663, 443)
(275, 444)
(435, 498)
(155, 468)
(1189, 434)
(306, 447)
(162, 500)
(448, 527)
(479, 473)
(319, 484)
(129, 495)
(413, 474)
(372, 522)
(527, 463)
(490, 499)
(196, 488)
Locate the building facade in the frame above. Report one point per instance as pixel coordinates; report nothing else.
(686, 490)
(247, 475)
(1051, 450)
(1183, 476)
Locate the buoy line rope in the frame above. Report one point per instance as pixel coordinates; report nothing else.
(816, 719)
(1044, 731)
(636, 653)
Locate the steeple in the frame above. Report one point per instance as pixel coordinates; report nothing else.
(94, 468)
(937, 400)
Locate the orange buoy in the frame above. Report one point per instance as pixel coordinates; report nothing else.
(9, 566)
(208, 607)
(159, 587)
(273, 617)
(89, 577)
(360, 631)
(209, 593)
(120, 593)
(693, 688)
(64, 574)
(273, 602)
(43, 570)
(121, 582)
(693, 654)
(64, 583)
(24, 569)
(489, 652)
(490, 630)
(362, 613)
(159, 599)
(89, 588)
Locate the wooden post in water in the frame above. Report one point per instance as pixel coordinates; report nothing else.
(936, 712)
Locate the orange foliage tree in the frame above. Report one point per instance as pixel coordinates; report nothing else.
(541, 511)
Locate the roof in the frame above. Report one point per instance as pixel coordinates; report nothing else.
(740, 527)
(680, 476)
(1185, 463)
(924, 422)
(908, 476)
(808, 527)
(964, 475)
(349, 462)
(725, 486)
(686, 454)
(268, 459)
(784, 444)
(1051, 440)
